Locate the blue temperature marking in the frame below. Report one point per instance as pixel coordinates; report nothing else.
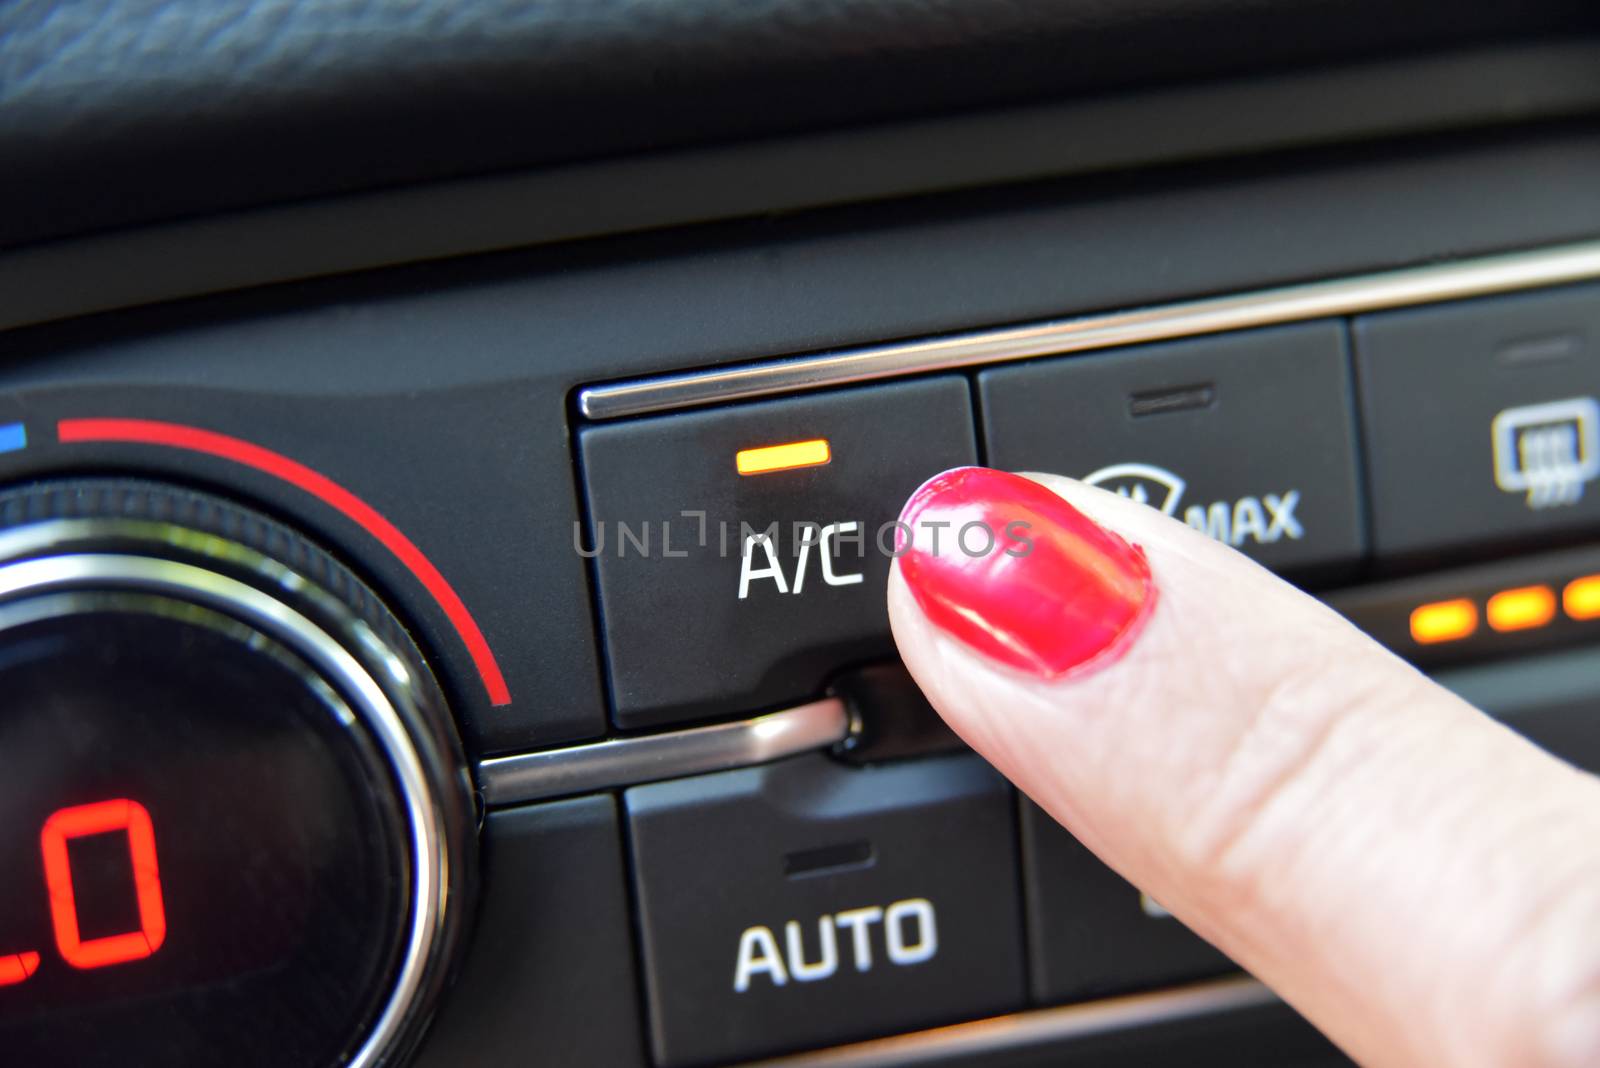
(13, 436)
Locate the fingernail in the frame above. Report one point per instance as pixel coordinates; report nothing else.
(1053, 593)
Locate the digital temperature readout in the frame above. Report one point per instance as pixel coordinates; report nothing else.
(105, 817)
(194, 866)
(236, 823)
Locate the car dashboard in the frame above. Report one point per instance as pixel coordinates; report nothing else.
(450, 460)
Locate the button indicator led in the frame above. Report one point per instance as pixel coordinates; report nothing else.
(769, 458)
(1581, 598)
(1444, 621)
(1522, 608)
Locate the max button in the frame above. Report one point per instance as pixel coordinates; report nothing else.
(1248, 437)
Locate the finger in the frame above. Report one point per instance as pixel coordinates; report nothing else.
(1420, 882)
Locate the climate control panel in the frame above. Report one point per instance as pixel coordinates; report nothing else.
(382, 689)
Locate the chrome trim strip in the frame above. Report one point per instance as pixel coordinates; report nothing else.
(1313, 300)
(235, 599)
(1000, 1034)
(512, 780)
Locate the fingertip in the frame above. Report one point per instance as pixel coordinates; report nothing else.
(1007, 566)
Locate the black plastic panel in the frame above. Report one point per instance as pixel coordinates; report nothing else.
(229, 103)
(1091, 933)
(443, 499)
(549, 977)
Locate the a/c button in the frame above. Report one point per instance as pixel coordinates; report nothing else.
(742, 554)
(806, 903)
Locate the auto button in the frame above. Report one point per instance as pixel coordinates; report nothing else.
(807, 903)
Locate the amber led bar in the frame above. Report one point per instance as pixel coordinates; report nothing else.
(787, 457)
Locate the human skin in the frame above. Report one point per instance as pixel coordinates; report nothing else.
(1415, 878)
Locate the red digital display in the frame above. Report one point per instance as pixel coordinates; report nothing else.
(195, 865)
(80, 821)
(103, 818)
(17, 966)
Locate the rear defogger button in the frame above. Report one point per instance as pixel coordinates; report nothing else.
(805, 903)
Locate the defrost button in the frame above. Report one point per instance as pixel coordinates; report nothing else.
(1483, 421)
(1248, 437)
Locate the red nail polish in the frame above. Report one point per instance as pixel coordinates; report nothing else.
(1053, 592)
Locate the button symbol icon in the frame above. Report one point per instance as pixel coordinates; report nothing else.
(1144, 483)
(824, 539)
(910, 936)
(1153, 908)
(1264, 520)
(1547, 451)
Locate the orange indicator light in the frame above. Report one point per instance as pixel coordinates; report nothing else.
(1444, 621)
(770, 458)
(1522, 608)
(1582, 597)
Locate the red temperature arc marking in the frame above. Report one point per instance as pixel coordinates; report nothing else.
(17, 967)
(102, 818)
(329, 492)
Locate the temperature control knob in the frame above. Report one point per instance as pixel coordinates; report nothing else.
(237, 825)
